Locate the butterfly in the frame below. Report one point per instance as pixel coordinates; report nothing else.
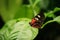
(38, 20)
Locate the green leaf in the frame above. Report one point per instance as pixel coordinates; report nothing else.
(57, 19)
(51, 14)
(9, 8)
(19, 29)
(44, 4)
(24, 11)
(46, 23)
(13, 9)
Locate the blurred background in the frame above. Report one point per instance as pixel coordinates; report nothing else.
(13, 9)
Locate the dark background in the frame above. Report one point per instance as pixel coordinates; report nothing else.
(1, 22)
(52, 30)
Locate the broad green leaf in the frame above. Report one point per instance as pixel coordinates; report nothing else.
(24, 11)
(12, 9)
(8, 8)
(18, 29)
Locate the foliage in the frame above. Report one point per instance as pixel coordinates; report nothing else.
(18, 30)
(17, 16)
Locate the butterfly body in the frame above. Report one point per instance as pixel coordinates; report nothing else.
(38, 20)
